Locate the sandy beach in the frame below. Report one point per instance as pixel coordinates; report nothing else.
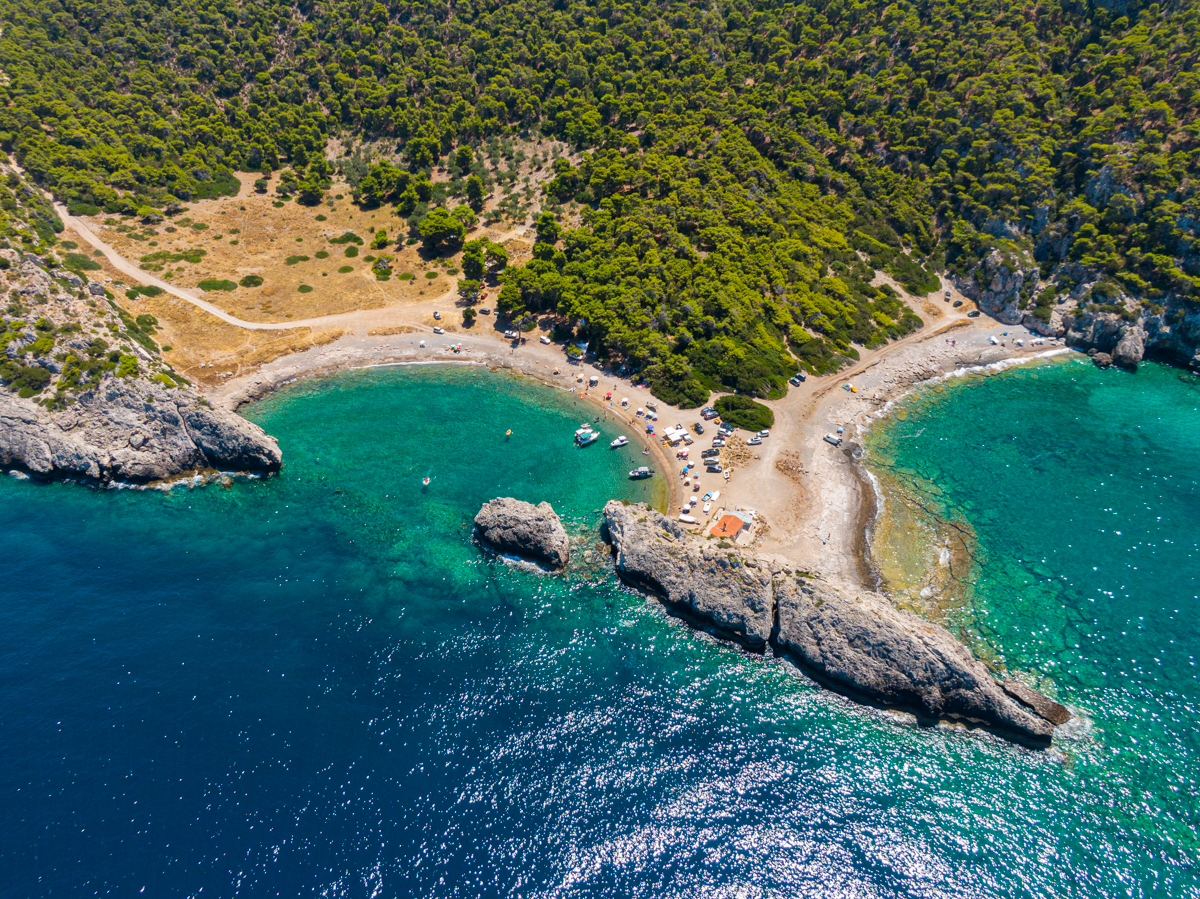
(814, 501)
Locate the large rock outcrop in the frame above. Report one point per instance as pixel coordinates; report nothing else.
(865, 646)
(720, 587)
(859, 645)
(132, 430)
(533, 532)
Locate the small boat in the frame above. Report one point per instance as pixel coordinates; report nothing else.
(687, 519)
(586, 438)
(638, 473)
(426, 481)
(707, 506)
(620, 441)
(508, 433)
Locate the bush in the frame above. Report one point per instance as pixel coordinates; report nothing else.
(405, 276)
(348, 237)
(322, 254)
(292, 260)
(743, 412)
(431, 275)
(304, 288)
(351, 251)
(346, 269)
(251, 281)
(217, 284)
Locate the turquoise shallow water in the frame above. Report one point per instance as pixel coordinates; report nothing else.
(316, 685)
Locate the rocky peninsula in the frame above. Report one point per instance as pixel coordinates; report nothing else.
(533, 532)
(132, 430)
(859, 645)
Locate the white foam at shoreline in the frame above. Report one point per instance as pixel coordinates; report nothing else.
(989, 368)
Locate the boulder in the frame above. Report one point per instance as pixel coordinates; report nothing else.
(723, 588)
(534, 532)
(1130, 348)
(860, 645)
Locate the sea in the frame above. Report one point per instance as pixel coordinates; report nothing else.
(316, 684)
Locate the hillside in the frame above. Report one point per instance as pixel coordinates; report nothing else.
(84, 391)
(739, 173)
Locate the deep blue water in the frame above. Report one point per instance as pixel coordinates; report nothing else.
(315, 684)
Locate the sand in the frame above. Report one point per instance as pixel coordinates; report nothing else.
(814, 500)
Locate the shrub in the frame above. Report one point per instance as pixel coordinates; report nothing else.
(251, 281)
(217, 284)
(348, 237)
(321, 254)
(304, 288)
(743, 412)
(431, 275)
(321, 218)
(127, 366)
(345, 269)
(351, 251)
(405, 276)
(292, 260)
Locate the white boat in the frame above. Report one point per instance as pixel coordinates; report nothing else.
(707, 507)
(688, 519)
(620, 441)
(586, 438)
(644, 472)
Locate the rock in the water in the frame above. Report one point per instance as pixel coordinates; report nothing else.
(861, 646)
(718, 586)
(513, 526)
(1130, 348)
(130, 430)
(866, 646)
(1102, 360)
(1045, 707)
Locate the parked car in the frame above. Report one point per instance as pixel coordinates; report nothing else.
(796, 379)
(957, 303)
(754, 441)
(714, 467)
(709, 414)
(947, 296)
(833, 439)
(545, 339)
(718, 442)
(698, 428)
(710, 453)
(485, 311)
(511, 335)
(725, 430)
(439, 330)
(974, 313)
(437, 315)
(764, 433)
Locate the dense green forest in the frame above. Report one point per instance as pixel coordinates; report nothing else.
(746, 167)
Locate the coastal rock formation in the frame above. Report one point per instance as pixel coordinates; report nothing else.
(859, 645)
(128, 429)
(720, 587)
(866, 646)
(517, 527)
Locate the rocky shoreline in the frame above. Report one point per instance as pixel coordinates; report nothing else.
(858, 645)
(132, 431)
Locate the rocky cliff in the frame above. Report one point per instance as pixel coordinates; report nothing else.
(1094, 315)
(859, 645)
(130, 430)
(532, 532)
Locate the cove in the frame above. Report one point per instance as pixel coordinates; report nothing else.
(316, 684)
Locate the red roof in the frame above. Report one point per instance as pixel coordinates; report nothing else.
(728, 526)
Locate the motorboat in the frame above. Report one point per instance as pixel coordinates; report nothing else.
(687, 519)
(643, 472)
(620, 441)
(586, 438)
(707, 507)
